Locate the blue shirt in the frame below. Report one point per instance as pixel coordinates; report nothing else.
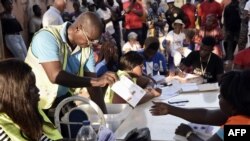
(45, 48)
(159, 63)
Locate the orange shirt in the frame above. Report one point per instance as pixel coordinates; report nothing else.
(238, 120)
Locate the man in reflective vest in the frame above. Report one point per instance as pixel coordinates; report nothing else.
(62, 57)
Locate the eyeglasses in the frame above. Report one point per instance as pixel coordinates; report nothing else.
(90, 43)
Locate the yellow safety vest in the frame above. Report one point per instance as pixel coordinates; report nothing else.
(13, 130)
(109, 95)
(48, 91)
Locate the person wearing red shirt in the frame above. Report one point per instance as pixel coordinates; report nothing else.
(133, 21)
(189, 9)
(241, 59)
(209, 7)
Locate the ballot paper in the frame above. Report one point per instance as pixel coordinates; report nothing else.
(208, 87)
(169, 91)
(128, 90)
(159, 78)
(189, 87)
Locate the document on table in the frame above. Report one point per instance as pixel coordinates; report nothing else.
(189, 87)
(169, 91)
(159, 78)
(208, 87)
(128, 90)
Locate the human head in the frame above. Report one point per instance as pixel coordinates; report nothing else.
(7, 5)
(110, 2)
(19, 97)
(76, 5)
(207, 45)
(151, 46)
(37, 10)
(86, 29)
(132, 61)
(91, 6)
(211, 21)
(154, 6)
(178, 25)
(84, 3)
(234, 93)
(109, 53)
(170, 3)
(132, 36)
(60, 4)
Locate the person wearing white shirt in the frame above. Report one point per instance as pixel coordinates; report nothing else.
(132, 44)
(175, 40)
(106, 16)
(53, 15)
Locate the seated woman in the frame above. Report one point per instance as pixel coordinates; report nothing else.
(131, 66)
(234, 101)
(20, 117)
(132, 44)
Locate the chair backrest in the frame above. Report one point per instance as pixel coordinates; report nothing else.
(72, 121)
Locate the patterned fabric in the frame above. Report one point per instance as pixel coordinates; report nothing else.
(5, 137)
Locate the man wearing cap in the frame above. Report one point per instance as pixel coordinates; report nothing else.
(174, 13)
(204, 62)
(175, 39)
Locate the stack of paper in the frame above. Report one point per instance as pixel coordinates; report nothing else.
(189, 87)
(169, 91)
(208, 87)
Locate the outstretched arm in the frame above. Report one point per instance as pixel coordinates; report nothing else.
(196, 115)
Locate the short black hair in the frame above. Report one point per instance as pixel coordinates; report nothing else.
(152, 43)
(208, 41)
(35, 7)
(235, 89)
(130, 60)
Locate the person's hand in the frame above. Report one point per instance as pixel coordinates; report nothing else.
(159, 108)
(183, 129)
(108, 78)
(155, 92)
(181, 74)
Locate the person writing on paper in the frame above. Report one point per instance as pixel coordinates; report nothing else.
(234, 101)
(62, 58)
(154, 61)
(204, 62)
(131, 65)
(20, 117)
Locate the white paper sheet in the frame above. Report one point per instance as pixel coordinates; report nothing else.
(128, 90)
(189, 87)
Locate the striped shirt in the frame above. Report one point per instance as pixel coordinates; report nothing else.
(5, 137)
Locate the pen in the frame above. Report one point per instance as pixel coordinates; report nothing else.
(179, 69)
(177, 102)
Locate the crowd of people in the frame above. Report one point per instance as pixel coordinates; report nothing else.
(100, 41)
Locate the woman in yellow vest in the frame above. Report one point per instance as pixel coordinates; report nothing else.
(20, 118)
(131, 65)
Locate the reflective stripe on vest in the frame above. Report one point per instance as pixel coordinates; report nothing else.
(14, 133)
(48, 91)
